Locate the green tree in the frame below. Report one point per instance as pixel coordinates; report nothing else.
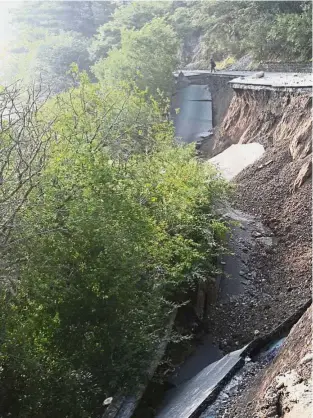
(149, 56)
(133, 16)
(291, 35)
(24, 144)
(104, 240)
(50, 36)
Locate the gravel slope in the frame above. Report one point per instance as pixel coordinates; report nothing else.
(270, 191)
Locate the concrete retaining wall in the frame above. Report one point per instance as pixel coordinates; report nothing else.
(221, 92)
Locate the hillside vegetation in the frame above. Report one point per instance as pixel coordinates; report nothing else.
(143, 36)
(105, 219)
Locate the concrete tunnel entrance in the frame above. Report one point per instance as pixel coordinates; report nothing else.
(194, 119)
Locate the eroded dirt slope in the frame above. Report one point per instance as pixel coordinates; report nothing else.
(270, 118)
(277, 191)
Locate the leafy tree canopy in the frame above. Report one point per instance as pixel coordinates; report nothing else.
(119, 218)
(148, 55)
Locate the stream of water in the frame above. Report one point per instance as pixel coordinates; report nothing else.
(240, 382)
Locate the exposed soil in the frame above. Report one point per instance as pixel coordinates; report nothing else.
(268, 193)
(272, 118)
(277, 191)
(282, 273)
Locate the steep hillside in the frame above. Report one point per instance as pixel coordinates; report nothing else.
(273, 118)
(277, 190)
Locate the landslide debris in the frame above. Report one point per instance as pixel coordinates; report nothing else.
(270, 118)
(276, 190)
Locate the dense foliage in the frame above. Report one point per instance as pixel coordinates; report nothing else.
(149, 54)
(117, 218)
(47, 56)
(241, 27)
(49, 36)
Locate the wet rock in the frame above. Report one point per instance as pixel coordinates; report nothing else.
(107, 401)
